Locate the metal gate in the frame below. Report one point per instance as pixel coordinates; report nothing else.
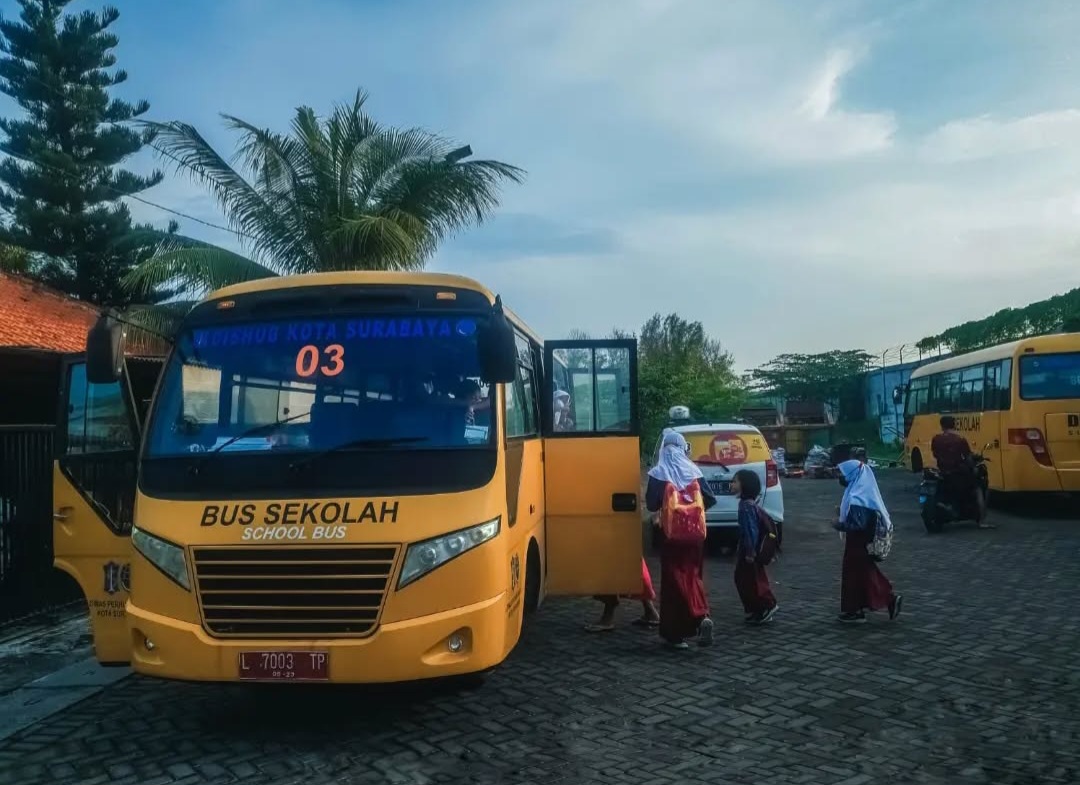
(28, 582)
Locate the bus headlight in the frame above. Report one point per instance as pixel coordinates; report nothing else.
(164, 555)
(423, 557)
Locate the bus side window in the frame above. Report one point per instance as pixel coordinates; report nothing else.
(994, 393)
(97, 419)
(918, 397)
(528, 388)
(515, 410)
(612, 390)
(562, 403)
(526, 382)
(1005, 382)
(971, 389)
(945, 392)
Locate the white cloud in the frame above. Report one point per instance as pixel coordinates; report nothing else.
(980, 138)
(726, 76)
(824, 93)
(902, 232)
(793, 174)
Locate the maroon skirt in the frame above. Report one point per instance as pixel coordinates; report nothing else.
(863, 587)
(752, 583)
(683, 601)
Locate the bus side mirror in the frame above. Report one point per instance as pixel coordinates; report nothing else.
(898, 394)
(105, 351)
(498, 352)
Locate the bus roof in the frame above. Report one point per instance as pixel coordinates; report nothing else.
(1056, 342)
(369, 278)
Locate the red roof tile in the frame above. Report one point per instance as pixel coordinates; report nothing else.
(32, 315)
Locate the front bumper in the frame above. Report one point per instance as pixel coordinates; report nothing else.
(398, 651)
(723, 519)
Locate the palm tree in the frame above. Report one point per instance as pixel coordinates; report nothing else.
(342, 193)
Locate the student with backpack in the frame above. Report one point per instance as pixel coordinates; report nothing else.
(650, 617)
(867, 529)
(680, 495)
(758, 545)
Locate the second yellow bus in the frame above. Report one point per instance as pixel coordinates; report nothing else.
(1018, 403)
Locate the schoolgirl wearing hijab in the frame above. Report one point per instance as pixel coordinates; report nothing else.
(863, 517)
(677, 491)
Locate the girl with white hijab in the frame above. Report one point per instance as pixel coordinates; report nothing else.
(863, 517)
(563, 422)
(684, 604)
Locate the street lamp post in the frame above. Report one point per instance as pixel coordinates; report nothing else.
(459, 154)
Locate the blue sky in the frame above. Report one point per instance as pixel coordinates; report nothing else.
(797, 175)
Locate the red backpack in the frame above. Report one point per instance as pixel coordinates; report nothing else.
(682, 517)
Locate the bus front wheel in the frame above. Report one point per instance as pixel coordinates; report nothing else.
(532, 579)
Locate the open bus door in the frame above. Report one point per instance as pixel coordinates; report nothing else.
(94, 495)
(592, 468)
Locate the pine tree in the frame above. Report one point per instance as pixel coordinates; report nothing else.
(60, 185)
(13, 260)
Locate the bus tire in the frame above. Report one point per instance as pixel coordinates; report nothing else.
(532, 579)
(916, 461)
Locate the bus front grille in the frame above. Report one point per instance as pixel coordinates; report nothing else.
(293, 592)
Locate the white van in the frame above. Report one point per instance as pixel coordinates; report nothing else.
(720, 450)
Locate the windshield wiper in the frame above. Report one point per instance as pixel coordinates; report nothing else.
(196, 467)
(392, 441)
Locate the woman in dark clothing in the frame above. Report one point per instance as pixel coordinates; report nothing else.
(862, 517)
(680, 495)
(751, 579)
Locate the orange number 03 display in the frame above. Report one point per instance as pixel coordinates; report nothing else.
(330, 361)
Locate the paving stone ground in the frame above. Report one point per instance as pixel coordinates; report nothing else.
(977, 683)
(39, 646)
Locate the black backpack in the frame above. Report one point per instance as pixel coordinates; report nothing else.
(768, 538)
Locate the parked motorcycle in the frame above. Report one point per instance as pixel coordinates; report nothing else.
(938, 509)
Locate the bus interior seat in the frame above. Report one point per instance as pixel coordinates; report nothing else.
(375, 419)
(331, 421)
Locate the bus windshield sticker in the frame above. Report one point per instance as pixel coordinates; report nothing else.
(336, 331)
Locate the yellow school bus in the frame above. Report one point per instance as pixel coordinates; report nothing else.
(1018, 403)
(344, 477)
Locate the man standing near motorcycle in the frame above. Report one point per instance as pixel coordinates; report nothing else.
(953, 455)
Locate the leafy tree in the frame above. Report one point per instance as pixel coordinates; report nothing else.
(341, 193)
(1060, 313)
(679, 364)
(581, 358)
(61, 185)
(829, 376)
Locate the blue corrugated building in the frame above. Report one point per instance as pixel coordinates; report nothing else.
(878, 386)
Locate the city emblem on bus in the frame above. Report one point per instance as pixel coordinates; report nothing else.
(117, 577)
(515, 572)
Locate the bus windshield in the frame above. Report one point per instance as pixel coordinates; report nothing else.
(1050, 376)
(355, 382)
